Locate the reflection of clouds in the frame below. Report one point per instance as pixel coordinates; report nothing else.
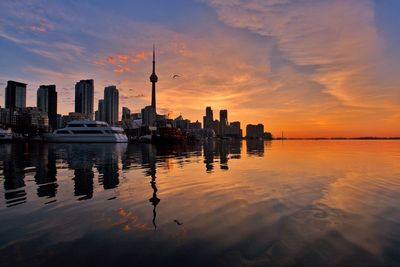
(128, 221)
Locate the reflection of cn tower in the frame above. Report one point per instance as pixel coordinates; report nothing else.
(154, 200)
(149, 156)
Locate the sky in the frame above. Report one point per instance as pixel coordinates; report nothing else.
(309, 68)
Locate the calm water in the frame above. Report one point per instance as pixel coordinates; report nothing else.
(296, 203)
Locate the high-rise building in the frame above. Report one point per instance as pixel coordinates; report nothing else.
(208, 118)
(148, 116)
(126, 113)
(223, 121)
(153, 80)
(84, 97)
(255, 131)
(234, 129)
(223, 117)
(47, 102)
(100, 113)
(111, 104)
(15, 96)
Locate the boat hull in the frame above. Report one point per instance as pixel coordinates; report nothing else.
(86, 138)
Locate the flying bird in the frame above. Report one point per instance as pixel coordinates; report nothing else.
(178, 222)
(175, 76)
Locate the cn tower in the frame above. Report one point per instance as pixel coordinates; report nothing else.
(153, 80)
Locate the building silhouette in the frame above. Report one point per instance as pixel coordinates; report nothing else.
(148, 116)
(111, 104)
(126, 113)
(100, 113)
(255, 131)
(84, 97)
(208, 118)
(153, 80)
(15, 96)
(46, 101)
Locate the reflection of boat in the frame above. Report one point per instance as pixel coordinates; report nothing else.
(85, 131)
(169, 134)
(6, 135)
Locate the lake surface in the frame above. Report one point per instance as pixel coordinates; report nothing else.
(291, 203)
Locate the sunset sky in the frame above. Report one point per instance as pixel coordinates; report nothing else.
(310, 68)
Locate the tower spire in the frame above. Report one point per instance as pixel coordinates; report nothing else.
(154, 59)
(153, 80)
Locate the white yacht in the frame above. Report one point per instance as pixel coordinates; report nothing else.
(6, 135)
(86, 131)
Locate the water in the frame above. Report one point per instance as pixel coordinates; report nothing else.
(296, 203)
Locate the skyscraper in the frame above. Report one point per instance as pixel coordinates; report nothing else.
(47, 102)
(223, 122)
(15, 96)
(84, 97)
(208, 118)
(153, 80)
(126, 113)
(100, 113)
(223, 117)
(111, 104)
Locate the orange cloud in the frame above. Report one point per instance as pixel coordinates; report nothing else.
(121, 69)
(123, 58)
(111, 60)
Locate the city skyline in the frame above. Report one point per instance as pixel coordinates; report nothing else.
(337, 80)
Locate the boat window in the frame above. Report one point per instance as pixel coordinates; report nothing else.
(117, 132)
(91, 125)
(87, 132)
(75, 125)
(62, 132)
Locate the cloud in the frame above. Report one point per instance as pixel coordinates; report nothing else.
(42, 26)
(338, 39)
(122, 69)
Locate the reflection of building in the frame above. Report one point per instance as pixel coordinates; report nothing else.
(14, 173)
(224, 149)
(47, 102)
(46, 171)
(15, 96)
(111, 104)
(255, 147)
(84, 97)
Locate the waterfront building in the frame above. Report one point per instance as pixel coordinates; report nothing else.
(255, 131)
(194, 125)
(216, 127)
(223, 122)
(100, 112)
(126, 113)
(15, 95)
(181, 123)
(46, 101)
(148, 116)
(29, 120)
(208, 118)
(111, 104)
(234, 130)
(84, 98)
